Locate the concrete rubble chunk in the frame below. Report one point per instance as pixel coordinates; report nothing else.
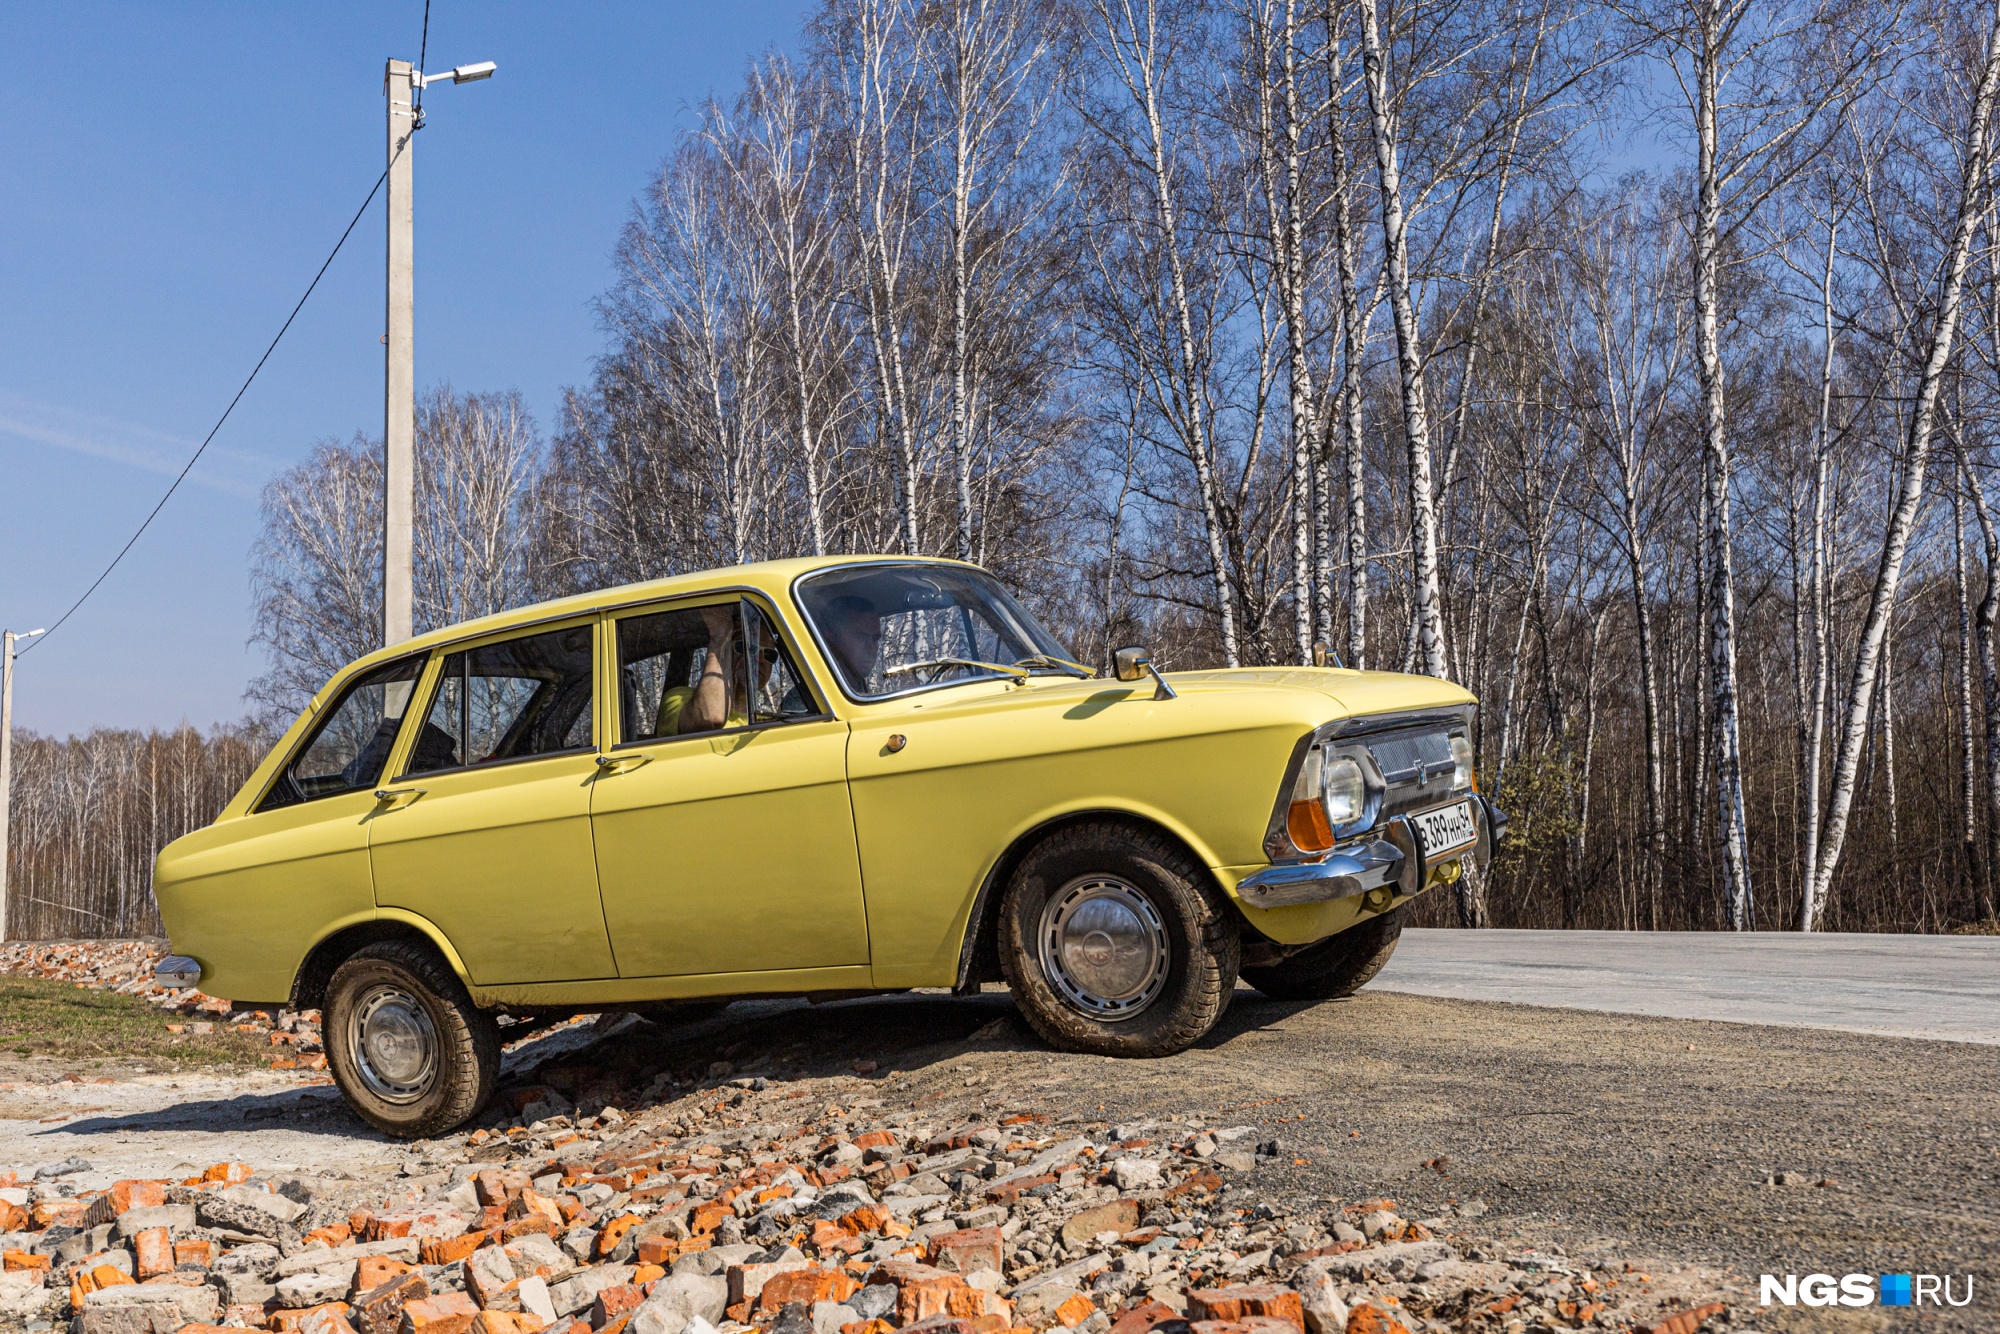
(176, 1218)
(192, 1304)
(263, 1201)
(677, 1302)
(1401, 1258)
(298, 1291)
(395, 1248)
(575, 1293)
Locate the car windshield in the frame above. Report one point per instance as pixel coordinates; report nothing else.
(889, 628)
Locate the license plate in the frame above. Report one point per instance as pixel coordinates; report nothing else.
(1446, 829)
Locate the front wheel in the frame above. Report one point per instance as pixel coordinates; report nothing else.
(409, 1050)
(1337, 966)
(1111, 946)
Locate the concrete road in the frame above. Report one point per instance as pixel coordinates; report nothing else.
(1939, 987)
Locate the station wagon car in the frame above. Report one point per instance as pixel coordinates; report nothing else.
(808, 777)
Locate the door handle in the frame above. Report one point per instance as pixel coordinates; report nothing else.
(391, 793)
(618, 764)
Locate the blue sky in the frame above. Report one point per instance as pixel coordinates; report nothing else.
(173, 175)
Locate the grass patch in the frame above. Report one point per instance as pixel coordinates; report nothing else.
(65, 1022)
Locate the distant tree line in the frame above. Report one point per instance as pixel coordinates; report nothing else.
(1634, 362)
(90, 812)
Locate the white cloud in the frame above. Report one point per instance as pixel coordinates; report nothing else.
(232, 472)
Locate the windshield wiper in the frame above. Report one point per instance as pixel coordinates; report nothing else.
(1063, 665)
(1019, 674)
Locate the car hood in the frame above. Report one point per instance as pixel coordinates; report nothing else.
(1357, 693)
(1309, 694)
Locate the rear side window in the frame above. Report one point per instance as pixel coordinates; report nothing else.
(509, 701)
(665, 658)
(346, 751)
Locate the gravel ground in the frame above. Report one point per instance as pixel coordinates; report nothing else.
(1657, 1144)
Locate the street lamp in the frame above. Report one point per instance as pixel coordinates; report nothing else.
(7, 655)
(399, 376)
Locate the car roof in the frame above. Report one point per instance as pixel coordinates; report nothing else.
(771, 577)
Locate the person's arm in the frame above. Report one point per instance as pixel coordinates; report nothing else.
(708, 709)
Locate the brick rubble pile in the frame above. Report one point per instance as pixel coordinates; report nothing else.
(747, 1204)
(735, 1209)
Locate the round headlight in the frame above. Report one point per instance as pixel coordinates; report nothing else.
(1346, 793)
(1461, 755)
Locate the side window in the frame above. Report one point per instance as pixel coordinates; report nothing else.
(509, 701)
(701, 669)
(346, 752)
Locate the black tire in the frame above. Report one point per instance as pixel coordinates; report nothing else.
(438, 1054)
(1186, 946)
(1337, 966)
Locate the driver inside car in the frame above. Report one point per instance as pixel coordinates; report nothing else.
(855, 635)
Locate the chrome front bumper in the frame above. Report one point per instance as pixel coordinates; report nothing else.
(1355, 869)
(177, 972)
(1393, 860)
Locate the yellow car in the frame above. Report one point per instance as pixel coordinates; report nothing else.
(862, 774)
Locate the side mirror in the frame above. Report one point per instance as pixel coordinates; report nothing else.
(1133, 662)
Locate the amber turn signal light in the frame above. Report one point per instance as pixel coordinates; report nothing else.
(1306, 823)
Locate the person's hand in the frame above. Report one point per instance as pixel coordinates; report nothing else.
(719, 620)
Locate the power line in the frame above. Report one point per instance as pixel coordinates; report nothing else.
(352, 223)
(423, 54)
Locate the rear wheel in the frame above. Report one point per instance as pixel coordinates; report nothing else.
(411, 1053)
(1338, 966)
(1111, 945)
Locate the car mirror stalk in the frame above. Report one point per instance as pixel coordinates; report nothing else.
(1132, 662)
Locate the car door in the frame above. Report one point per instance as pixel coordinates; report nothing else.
(725, 842)
(485, 832)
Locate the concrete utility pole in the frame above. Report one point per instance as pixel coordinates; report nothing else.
(399, 382)
(399, 378)
(7, 641)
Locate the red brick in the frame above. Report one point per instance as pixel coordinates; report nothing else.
(1196, 1183)
(1075, 1311)
(708, 1217)
(1253, 1324)
(20, 1261)
(875, 1139)
(614, 1302)
(1367, 1319)
(506, 1322)
(372, 1271)
(291, 1320)
(229, 1174)
(1143, 1317)
(136, 1195)
(521, 1227)
(614, 1232)
(805, 1285)
(446, 1313)
(446, 1250)
(1012, 1191)
(968, 1250)
(153, 1252)
(499, 1186)
(1245, 1300)
(194, 1253)
(1684, 1322)
(379, 1309)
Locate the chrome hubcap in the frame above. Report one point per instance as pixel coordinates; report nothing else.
(1104, 947)
(394, 1044)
